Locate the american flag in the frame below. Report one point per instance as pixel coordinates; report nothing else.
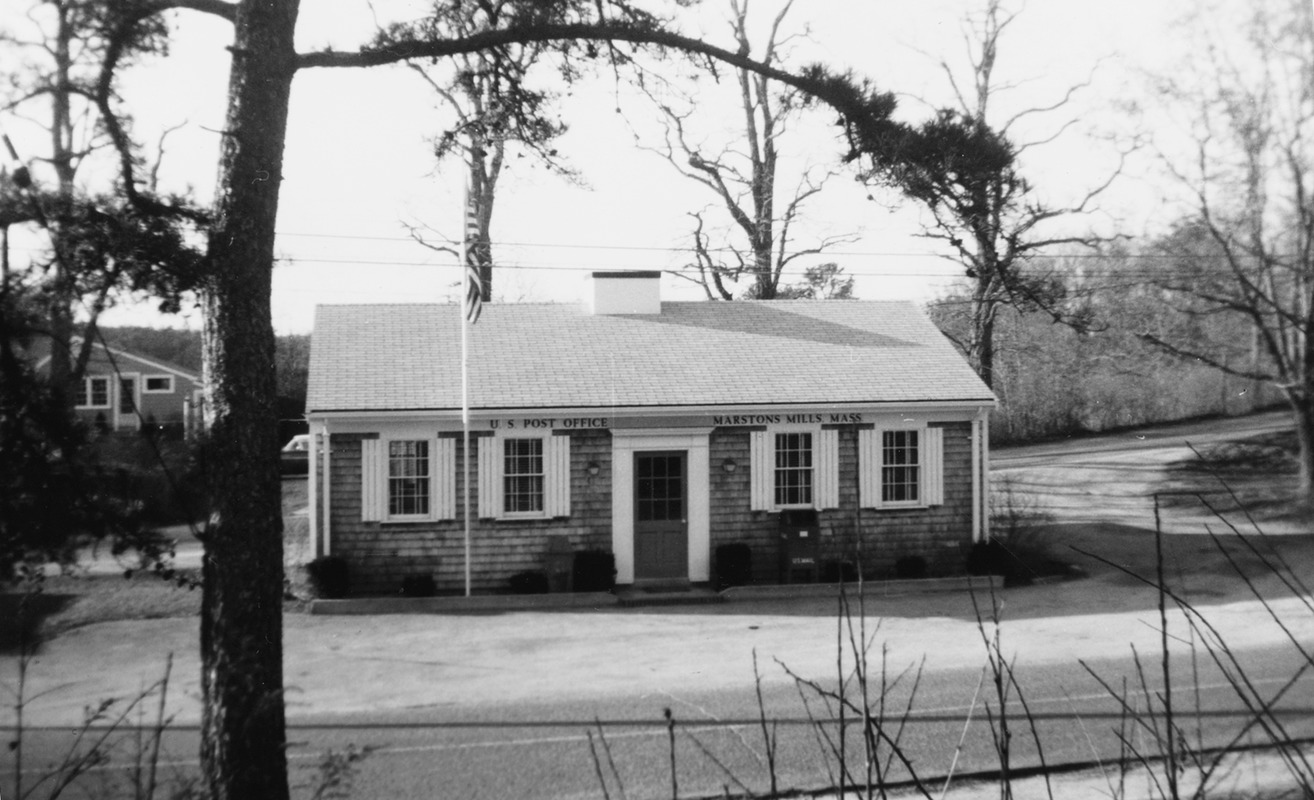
(474, 299)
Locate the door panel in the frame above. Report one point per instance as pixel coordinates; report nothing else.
(126, 407)
(661, 538)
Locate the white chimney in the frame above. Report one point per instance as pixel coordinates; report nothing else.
(626, 293)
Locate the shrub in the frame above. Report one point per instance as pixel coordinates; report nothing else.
(1018, 549)
(910, 567)
(160, 475)
(992, 558)
(593, 571)
(418, 586)
(836, 571)
(533, 581)
(329, 577)
(734, 565)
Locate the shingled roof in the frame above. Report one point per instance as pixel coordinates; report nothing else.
(742, 353)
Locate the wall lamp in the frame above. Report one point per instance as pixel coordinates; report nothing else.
(593, 468)
(729, 465)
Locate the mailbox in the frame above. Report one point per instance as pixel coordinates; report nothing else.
(800, 538)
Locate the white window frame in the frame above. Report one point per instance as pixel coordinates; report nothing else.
(825, 467)
(541, 475)
(87, 392)
(492, 476)
(376, 479)
(918, 484)
(393, 480)
(777, 470)
(146, 384)
(872, 466)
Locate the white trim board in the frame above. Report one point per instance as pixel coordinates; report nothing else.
(624, 444)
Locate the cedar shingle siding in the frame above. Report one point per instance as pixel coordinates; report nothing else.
(937, 534)
(381, 554)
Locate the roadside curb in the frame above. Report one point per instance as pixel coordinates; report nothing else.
(444, 605)
(599, 600)
(888, 588)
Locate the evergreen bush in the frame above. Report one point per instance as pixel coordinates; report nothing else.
(734, 565)
(329, 577)
(593, 571)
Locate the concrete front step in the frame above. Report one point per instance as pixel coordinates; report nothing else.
(629, 597)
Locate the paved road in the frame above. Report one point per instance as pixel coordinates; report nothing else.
(542, 750)
(1113, 478)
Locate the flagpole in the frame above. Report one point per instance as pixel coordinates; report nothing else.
(465, 434)
(465, 372)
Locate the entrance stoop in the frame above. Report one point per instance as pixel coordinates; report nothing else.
(665, 593)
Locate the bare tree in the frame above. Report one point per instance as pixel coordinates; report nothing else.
(963, 166)
(744, 176)
(493, 107)
(1246, 250)
(820, 282)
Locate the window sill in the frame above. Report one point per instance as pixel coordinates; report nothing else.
(521, 515)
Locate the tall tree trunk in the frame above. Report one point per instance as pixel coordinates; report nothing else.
(981, 336)
(1302, 409)
(61, 145)
(243, 724)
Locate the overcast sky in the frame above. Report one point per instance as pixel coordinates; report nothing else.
(358, 165)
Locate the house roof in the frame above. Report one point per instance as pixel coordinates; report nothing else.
(407, 357)
(39, 352)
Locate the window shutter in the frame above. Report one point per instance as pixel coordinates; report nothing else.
(761, 468)
(556, 476)
(869, 468)
(373, 480)
(442, 478)
(825, 469)
(933, 466)
(490, 476)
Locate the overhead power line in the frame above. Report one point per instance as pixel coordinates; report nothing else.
(1133, 276)
(826, 253)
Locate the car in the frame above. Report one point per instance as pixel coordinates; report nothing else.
(294, 459)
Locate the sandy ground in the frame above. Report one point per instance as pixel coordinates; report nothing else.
(353, 664)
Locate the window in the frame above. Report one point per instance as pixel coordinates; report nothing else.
(794, 467)
(408, 478)
(901, 475)
(901, 467)
(793, 473)
(158, 384)
(659, 490)
(95, 393)
(522, 476)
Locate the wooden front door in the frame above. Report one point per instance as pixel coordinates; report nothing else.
(661, 536)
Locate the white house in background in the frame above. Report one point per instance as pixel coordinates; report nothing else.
(122, 391)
